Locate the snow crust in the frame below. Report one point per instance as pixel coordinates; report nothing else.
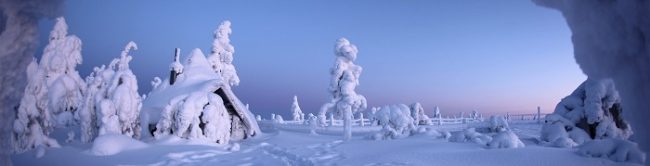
(111, 144)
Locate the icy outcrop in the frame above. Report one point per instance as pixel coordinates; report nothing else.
(345, 78)
(112, 103)
(396, 122)
(221, 56)
(419, 117)
(610, 41)
(296, 111)
(54, 91)
(592, 111)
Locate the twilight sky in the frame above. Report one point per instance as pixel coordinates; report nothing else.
(495, 56)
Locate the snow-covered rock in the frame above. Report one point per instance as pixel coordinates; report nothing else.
(344, 79)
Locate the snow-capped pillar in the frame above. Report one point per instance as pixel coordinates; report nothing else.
(176, 67)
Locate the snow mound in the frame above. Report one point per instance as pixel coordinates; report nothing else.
(468, 135)
(110, 144)
(615, 149)
(505, 139)
(396, 122)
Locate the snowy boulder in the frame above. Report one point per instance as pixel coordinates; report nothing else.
(111, 144)
(615, 149)
(505, 139)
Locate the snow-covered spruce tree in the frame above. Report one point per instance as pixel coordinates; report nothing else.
(436, 112)
(610, 41)
(419, 117)
(345, 78)
(54, 91)
(296, 111)
(592, 111)
(113, 104)
(221, 56)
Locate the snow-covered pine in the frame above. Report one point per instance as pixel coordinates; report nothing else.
(296, 111)
(221, 56)
(112, 104)
(592, 111)
(396, 122)
(54, 91)
(344, 79)
(419, 117)
(436, 112)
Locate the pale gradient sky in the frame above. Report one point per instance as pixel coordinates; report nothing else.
(497, 56)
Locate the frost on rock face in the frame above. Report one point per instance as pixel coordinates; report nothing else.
(53, 94)
(197, 106)
(396, 122)
(221, 56)
(112, 103)
(296, 111)
(610, 41)
(592, 111)
(419, 117)
(345, 78)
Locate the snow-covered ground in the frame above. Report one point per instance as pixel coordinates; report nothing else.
(282, 146)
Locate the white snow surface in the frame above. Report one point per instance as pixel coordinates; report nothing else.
(282, 147)
(111, 144)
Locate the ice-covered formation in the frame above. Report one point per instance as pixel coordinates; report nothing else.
(278, 119)
(296, 111)
(614, 149)
(345, 78)
(198, 105)
(610, 41)
(396, 122)
(112, 103)
(221, 56)
(592, 111)
(419, 117)
(54, 91)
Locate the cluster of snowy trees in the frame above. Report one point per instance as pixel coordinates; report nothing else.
(56, 96)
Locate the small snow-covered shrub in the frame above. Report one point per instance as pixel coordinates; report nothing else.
(498, 124)
(396, 121)
(296, 112)
(468, 135)
(505, 139)
(613, 148)
(278, 119)
(560, 132)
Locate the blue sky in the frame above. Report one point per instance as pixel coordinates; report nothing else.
(495, 56)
